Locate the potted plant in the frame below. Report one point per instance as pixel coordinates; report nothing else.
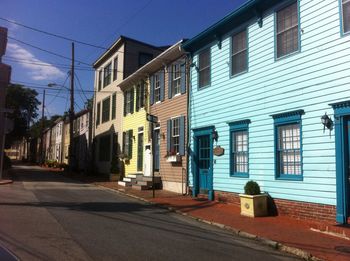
(253, 202)
(114, 170)
(173, 156)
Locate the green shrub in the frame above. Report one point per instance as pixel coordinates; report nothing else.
(252, 188)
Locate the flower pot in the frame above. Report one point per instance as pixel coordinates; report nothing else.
(253, 205)
(173, 158)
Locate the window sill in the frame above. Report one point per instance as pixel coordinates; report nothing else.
(158, 102)
(287, 55)
(239, 175)
(238, 74)
(203, 87)
(290, 177)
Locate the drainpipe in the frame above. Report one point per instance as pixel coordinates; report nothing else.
(188, 76)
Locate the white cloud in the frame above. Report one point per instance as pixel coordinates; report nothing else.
(37, 69)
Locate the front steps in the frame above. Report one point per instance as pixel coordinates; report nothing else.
(140, 182)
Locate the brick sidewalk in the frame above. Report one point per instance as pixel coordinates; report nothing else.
(284, 230)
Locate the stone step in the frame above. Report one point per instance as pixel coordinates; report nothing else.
(132, 180)
(124, 184)
(140, 187)
(135, 175)
(144, 183)
(157, 179)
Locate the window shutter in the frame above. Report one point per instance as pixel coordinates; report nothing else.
(170, 78)
(168, 131)
(161, 79)
(142, 102)
(130, 144)
(137, 97)
(132, 101)
(124, 148)
(182, 136)
(151, 79)
(125, 97)
(183, 78)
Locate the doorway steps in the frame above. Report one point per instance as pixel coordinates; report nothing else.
(140, 182)
(130, 179)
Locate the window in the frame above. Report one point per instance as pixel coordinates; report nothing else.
(204, 68)
(98, 113)
(144, 58)
(346, 16)
(156, 88)
(107, 75)
(115, 68)
(288, 145)
(140, 96)
(127, 144)
(104, 148)
(239, 158)
(239, 61)
(99, 80)
(175, 135)
(176, 79)
(114, 105)
(105, 109)
(287, 30)
(129, 101)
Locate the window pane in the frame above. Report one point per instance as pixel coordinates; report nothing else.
(346, 15)
(204, 68)
(287, 30)
(240, 151)
(105, 109)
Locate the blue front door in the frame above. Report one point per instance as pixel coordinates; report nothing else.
(347, 162)
(204, 163)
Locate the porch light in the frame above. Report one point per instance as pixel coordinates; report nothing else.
(326, 121)
(215, 135)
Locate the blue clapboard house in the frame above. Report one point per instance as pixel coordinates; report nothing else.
(261, 80)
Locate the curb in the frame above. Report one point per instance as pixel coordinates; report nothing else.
(265, 241)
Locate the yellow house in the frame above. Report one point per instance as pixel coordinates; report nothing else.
(136, 141)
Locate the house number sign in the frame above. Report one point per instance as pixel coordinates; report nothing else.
(218, 151)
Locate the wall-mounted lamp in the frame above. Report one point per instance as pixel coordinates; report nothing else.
(326, 121)
(194, 65)
(215, 135)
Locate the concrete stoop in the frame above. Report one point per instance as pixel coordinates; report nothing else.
(140, 182)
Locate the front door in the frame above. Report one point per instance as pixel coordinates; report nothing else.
(140, 152)
(203, 163)
(347, 162)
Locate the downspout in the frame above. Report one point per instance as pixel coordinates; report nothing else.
(188, 72)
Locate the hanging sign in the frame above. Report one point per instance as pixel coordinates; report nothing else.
(218, 151)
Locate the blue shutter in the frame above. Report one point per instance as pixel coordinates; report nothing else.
(183, 78)
(168, 136)
(170, 78)
(161, 79)
(151, 96)
(182, 136)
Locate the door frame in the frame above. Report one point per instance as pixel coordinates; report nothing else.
(195, 170)
(341, 113)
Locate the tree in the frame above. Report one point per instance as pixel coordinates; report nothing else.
(24, 103)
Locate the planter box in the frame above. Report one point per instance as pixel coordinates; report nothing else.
(114, 177)
(173, 158)
(253, 206)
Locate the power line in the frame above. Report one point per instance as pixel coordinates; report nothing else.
(58, 92)
(81, 88)
(52, 34)
(47, 51)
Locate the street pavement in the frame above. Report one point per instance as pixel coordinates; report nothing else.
(44, 216)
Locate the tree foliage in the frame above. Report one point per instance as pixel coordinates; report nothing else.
(24, 103)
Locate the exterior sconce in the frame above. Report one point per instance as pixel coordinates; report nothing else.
(215, 135)
(327, 122)
(194, 65)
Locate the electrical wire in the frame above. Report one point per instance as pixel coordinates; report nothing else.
(58, 92)
(81, 88)
(52, 34)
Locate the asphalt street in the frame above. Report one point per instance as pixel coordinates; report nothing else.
(44, 216)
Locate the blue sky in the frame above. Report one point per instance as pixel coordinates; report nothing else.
(158, 22)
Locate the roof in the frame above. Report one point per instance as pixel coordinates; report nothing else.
(172, 53)
(249, 10)
(116, 45)
(82, 112)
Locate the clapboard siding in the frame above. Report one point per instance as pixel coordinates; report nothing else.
(311, 79)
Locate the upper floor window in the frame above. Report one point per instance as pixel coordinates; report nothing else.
(129, 101)
(107, 75)
(176, 79)
(106, 109)
(157, 88)
(204, 68)
(346, 15)
(115, 68)
(288, 145)
(99, 80)
(98, 114)
(144, 58)
(287, 37)
(140, 96)
(239, 57)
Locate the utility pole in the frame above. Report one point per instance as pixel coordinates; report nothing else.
(41, 150)
(71, 114)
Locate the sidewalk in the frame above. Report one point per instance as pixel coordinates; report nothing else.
(287, 234)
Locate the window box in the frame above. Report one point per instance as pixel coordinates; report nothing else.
(173, 158)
